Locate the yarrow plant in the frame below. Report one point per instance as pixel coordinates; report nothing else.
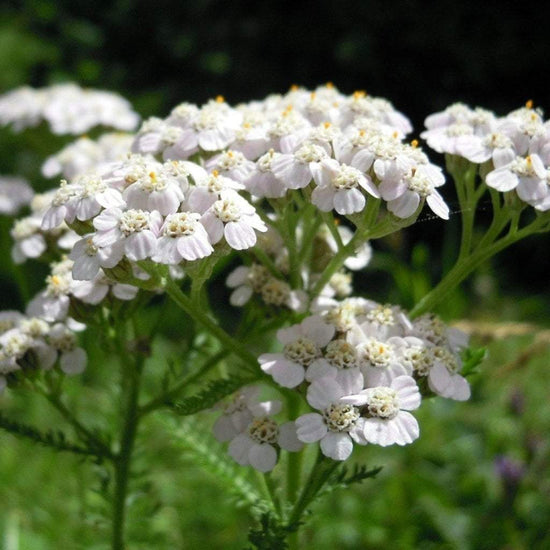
(284, 198)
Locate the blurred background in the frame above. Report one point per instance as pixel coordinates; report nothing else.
(478, 477)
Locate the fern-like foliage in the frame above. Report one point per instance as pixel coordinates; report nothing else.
(214, 392)
(203, 448)
(270, 535)
(54, 439)
(345, 477)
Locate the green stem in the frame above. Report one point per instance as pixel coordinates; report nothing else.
(228, 341)
(131, 380)
(294, 460)
(267, 262)
(173, 392)
(319, 475)
(466, 266)
(271, 492)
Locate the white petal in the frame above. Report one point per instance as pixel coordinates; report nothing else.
(239, 235)
(124, 292)
(323, 198)
(139, 246)
(240, 296)
(437, 204)
(262, 457)
(452, 386)
(288, 439)
(337, 446)
(349, 201)
(73, 362)
(85, 268)
(317, 330)
(286, 373)
(192, 247)
(223, 429)
(310, 428)
(324, 391)
(502, 179)
(407, 392)
(405, 206)
(239, 448)
(238, 276)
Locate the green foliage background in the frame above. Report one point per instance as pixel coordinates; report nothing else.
(443, 492)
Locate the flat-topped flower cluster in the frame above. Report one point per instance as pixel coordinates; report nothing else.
(362, 367)
(351, 147)
(67, 108)
(29, 342)
(514, 150)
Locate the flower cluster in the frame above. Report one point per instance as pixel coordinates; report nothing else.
(350, 147)
(31, 241)
(86, 154)
(143, 209)
(29, 342)
(67, 108)
(63, 290)
(15, 193)
(514, 149)
(361, 365)
(254, 436)
(274, 287)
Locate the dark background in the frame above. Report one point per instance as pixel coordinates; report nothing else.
(420, 55)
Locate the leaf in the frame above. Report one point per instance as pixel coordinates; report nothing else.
(53, 439)
(344, 478)
(215, 391)
(270, 535)
(471, 359)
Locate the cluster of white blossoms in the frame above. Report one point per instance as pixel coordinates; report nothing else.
(142, 209)
(254, 437)
(274, 288)
(514, 150)
(31, 241)
(15, 193)
(218, 178)
(86, 154)
(29, 342)
(362, 367)
(341, 149)
(62, 289)
(67, 108)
